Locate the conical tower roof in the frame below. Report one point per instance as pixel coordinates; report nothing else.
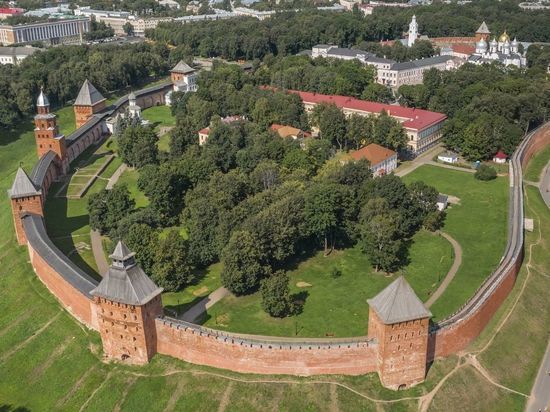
(483, 29)
(88, 95)
(182, 67)
(22, 186)
(398, 303)
(125, 282)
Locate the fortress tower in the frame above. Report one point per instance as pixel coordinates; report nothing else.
(25, 198)
(127, 304)
(399, 321)
(483, 32)
(46, 133)
(88, 102)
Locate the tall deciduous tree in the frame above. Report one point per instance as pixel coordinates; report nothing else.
(276, 295)
(243, 263)
(172, 269)
(138, 146)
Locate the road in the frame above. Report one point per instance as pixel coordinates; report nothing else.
(540, 394)
(544, 186)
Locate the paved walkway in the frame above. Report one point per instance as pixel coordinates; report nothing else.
(194, 312)
(99, 254)
(446, 166)
(116, 175)
(540, 394)
(418, 161)
(451, 273)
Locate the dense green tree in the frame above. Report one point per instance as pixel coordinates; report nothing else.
(142, 240)
(380, 241)
(485, 172)
(376, 92)
(243, 263)
(138, 146)
(325, 211)
(332, 124)
(171, 269)
(107, 207)
(165, 187)
(276, 298)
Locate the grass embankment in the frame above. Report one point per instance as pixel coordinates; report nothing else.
(479, 225)
(334, 306)
(537, 164)
(513, 345)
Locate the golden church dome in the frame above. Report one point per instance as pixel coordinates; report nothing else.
(504, 37)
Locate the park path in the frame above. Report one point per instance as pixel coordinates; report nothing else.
(99, 254)
(95, 236)
(452, 271)
(418, 161)
(116, 175)
(195, 311)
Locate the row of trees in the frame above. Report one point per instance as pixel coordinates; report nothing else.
(62, 70)
(288, 33)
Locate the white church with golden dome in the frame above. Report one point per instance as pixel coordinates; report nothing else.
(504, 51)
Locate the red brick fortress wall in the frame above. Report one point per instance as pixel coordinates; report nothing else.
(194, 345)
(78, 304)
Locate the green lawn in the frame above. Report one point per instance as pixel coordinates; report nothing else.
(161, 117)
(478, 223)
(537, 164)
(334, 306)
(130, 178)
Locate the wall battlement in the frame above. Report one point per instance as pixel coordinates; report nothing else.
(263, 354)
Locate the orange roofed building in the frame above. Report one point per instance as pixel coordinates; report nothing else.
(382, 160)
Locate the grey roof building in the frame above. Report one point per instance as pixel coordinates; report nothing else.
(125, 282)
(398, 303)
(182, 67)
(88, 95)
(22, 186)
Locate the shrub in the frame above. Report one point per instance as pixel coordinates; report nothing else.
(485, 172)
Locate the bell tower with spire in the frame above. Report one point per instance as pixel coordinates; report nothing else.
(413, 31)
(128, 302)
(46, 132)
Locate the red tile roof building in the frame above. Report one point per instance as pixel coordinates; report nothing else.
(423, 127)
(381, 159)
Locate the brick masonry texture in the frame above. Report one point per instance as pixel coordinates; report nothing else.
(398, 352)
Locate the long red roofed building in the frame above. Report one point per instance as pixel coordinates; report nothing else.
(423, 127)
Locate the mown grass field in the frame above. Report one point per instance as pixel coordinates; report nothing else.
(334, 306)
(478, 223)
